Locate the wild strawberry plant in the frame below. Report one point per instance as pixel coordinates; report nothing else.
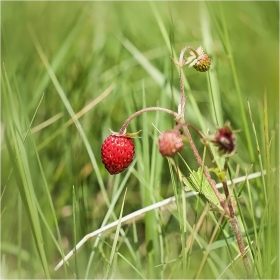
(118, 149)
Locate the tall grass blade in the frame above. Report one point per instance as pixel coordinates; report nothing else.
(20, 162)
(113, 251)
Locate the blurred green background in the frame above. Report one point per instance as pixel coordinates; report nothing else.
(90, 47)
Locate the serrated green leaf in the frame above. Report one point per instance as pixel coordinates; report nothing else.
(198, 182)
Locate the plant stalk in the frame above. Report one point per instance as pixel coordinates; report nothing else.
(187, 133)
(205, 171)
(226, 204)
(123, 129)
(234, 223)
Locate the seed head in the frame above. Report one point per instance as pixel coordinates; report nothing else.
(224, 139)
(202, 64)
(198, 59)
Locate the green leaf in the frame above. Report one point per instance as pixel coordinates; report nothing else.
(198, 182)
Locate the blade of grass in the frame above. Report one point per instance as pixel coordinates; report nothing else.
(136, 242)
(44, 180)
(156, 168)
(226, 42)
(212, 79)
(60, 55)
(236, 259)
(77, 124)
(144, 210)
(75, 120)
(109, 213)
(272, 214)
(258, 149)
(194, 230)
(59, 244)
(178, 192)
(19, 262)
(78, 115)
(131, 265)
(20, 162)
(113, 250)
(192, 109)
(75, 230)
(71, 113)
(45, 184)
(150, 218)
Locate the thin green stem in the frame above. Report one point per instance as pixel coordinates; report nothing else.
(236, 84)
(181, 63)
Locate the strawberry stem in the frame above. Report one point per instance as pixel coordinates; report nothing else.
(123, 129)
(234, 223)
(227, 203)
(205, 170)
(181, 63)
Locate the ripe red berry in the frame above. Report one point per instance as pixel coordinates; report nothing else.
(170, 143)
(117, 153)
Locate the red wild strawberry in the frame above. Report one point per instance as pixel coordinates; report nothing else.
(117, 153)
(170, 143)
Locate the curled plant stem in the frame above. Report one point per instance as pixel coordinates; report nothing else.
(181, 57)
(181, 63)
(123, 129)
(182, 87)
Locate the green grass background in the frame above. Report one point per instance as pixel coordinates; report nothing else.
(57, 57)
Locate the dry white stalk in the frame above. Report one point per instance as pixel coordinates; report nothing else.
(144, 210)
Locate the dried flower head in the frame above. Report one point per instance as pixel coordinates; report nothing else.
(224, 139)
(198, 59)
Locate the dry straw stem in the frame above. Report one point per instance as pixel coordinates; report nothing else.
(86, 109)
(131, 217)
